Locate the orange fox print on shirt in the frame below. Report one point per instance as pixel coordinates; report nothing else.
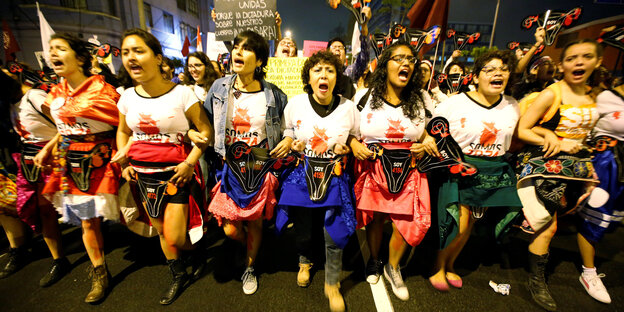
(241, 120)
(488, 135)
(319, 140)
(147, 124)
(395, 129)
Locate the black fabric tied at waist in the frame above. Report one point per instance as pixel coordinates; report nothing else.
(249, 164)
(30, 171)
(319, 172)
(153, 189)
(451, 156)
(603, 143)
(396, 164)
(80, 164)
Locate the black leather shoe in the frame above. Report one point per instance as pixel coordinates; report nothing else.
(59, 268)
(178, 272)
(17, 260)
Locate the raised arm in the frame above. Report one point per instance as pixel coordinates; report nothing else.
(539, 40)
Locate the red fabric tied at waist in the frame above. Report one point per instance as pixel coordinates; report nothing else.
(158, 152)
(409, 210)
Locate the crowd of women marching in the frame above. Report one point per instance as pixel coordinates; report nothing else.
(346, 154)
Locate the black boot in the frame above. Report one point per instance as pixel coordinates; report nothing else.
(59, 268)
(537, 282)
(17, 260)
(178, 271)
(99, 283)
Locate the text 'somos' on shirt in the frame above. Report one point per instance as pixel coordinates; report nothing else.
(246, 119)
(158, 119)
(320, 134)
(480, 130)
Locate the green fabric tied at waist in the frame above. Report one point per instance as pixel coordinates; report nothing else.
(493, 186)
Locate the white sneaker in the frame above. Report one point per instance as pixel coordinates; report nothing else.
(396, 281)
(250, 283)
(594, 287)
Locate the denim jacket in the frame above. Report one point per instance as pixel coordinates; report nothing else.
(216, 106)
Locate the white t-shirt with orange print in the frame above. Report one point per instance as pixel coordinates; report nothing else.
(388, 123)
(246, 119)
(480, 130)
(160, 119)
(320, 134)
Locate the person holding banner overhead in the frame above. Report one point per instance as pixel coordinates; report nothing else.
(157, 114)
(353, 72)
(393, 116)
(247, 113)
(483, 123)
(317, 195)
(84, 109)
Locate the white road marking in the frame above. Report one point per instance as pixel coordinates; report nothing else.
(380, 294)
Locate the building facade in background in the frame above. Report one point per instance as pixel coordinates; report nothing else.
(169, 20)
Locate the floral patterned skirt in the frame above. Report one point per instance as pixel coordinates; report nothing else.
(560, 183)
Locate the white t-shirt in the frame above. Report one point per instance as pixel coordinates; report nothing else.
(200, 92)
(320, 133)
(611, 110)
(246, 119)
(159, 119)
(28, 120)
(479, 130)
(389, 124)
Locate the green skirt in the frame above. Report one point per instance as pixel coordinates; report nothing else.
(494, 185)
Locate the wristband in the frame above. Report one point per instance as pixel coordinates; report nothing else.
(188, 164)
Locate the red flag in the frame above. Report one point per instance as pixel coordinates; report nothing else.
(185, 46)
(9, 42)
(426, 13)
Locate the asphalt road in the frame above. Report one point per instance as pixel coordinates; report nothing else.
(140, 275)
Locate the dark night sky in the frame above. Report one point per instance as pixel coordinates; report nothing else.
(315, 20)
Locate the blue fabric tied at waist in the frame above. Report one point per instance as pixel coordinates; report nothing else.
(233, 189)
(340, 219)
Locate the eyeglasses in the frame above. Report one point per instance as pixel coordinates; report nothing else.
(195, 66)
(402, 57)
(287, 44)
(490, 70)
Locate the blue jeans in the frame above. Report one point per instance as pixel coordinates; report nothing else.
(307, 223)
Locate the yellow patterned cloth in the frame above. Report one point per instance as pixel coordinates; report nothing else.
(8, 192)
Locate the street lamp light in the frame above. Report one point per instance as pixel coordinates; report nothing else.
(288, 34)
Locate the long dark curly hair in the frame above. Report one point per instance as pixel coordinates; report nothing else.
(411, 96)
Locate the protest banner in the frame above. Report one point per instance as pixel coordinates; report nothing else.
(213, 47)
(235, 16)
(309, 47)
(285, 72)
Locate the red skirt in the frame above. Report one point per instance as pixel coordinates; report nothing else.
(410, 209)
(262, 204)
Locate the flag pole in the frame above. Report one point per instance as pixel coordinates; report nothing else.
(494, 25)
(435, 58)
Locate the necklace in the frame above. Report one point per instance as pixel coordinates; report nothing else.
(237, 92)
